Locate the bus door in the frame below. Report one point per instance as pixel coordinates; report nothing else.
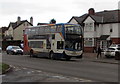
(48, 42)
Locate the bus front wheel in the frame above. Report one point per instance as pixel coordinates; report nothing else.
(80, 56)
(67, 58)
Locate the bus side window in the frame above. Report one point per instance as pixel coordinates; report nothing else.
(60, 44)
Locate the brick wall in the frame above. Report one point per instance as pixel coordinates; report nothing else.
(89, 49)
(116, 40)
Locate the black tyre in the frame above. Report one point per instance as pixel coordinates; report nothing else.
(107, 56)
(117, 56)
(31, 53)
(67, 58)
(7, 52)
(51, 56)
(80, 56)
(12, 53)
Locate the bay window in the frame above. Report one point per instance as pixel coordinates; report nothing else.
(89, 27)
(88, 42)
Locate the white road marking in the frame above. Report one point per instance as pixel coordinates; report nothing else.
(39, 71)
(24, 68)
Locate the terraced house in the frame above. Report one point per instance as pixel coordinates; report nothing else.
(100, 28)
(15, 29)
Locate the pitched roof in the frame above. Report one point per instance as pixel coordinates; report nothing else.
(42, 23)
(107, 16)
(15, 25)
(79, 19)
(97, 19)
(112, 16)
(4, 29)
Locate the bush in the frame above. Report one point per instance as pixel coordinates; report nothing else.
(3, 67)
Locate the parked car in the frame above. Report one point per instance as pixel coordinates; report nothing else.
(111, 51)
(115, 45)
(14, 50)
(22, 45)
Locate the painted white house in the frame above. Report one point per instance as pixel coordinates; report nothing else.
(100, 28)
(15, 29)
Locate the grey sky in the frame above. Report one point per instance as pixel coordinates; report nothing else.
(44, 10)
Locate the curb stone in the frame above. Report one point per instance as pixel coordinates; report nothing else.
(102, 61)
(92, 56)
(106, 62)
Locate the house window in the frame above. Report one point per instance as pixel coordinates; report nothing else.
(95, 27)
(88, 27)
(88, 42)
(111, 29)
(24, 24)
(23, 31)
(91, 26)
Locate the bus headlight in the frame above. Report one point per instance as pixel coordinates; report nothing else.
(80, 36)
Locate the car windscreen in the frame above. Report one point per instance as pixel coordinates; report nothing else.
(111, 49)
(118, 48)
(115, 45)
(73, 29)
(16, 47)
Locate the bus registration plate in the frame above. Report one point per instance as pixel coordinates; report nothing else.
(74, 52)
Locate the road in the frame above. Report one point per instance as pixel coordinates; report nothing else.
(84, 69)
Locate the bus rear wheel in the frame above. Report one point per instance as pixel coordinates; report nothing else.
(31, 53)
(51, 55)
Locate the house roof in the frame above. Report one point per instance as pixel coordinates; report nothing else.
(97, 19)
(112, 16)
(4, 29)
(107, 16)
(15, 25)
(79, 19)
(42, 23)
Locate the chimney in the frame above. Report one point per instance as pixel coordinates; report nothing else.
(31, 20)
(91, 11)
(18, 20)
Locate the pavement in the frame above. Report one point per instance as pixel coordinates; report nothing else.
(103, 59)
(23, 74)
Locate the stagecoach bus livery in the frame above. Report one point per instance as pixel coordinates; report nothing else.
(55, 41)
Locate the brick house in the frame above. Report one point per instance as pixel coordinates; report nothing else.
(2, 32)
(100, 28)
(15, 29)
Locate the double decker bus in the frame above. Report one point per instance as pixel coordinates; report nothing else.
(54, 41)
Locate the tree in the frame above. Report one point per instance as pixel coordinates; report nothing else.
(52, 21)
